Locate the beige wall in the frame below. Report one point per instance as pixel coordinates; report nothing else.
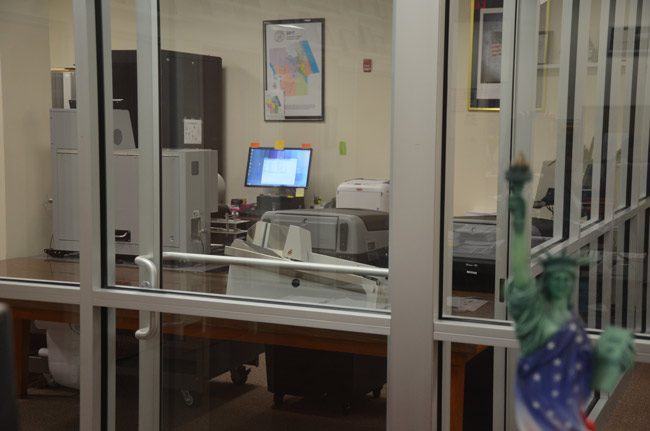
(33, 39)
(61, 34)
(357, 104)
(25, 54)
(3, 216)
(475, 136)
(474, 142)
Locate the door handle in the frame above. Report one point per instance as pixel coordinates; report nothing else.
(502, 288)
(151, 330)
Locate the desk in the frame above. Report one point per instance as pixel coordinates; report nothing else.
(460, 356)
(222, 329)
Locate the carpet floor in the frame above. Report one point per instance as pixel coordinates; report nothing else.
(227, 407)
(249, 407)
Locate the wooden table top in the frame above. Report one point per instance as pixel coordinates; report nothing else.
(194, 280)
(67, 270)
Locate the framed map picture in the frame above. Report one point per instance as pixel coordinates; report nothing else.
(294, 70)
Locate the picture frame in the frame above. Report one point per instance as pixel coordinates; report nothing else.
(486, 24)
(294, 69)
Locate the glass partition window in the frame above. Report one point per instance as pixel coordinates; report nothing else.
(39, 192)
(46, 361)
(470, 390)
(227, 374)
(548, 142)
(476, 41)
(591, 110)
(272, 152)
(580, 129)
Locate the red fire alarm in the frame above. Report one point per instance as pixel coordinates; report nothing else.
(367, 64)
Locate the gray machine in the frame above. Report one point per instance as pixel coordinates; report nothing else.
(280, 243)
(343, 237)
(360, 235)
(189, 190)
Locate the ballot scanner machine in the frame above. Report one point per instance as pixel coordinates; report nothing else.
(342, 377)
(359, 235)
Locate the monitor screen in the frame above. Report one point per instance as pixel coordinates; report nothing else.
(268, 167)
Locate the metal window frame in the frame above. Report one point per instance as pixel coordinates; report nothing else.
(418, 94)
(500, 334)
(94, 299)
(413, 344)
(640, 145)
(603, 78)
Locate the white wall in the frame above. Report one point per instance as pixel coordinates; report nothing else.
(26, 97)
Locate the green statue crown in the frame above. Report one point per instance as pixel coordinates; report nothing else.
(519, 172)
(563, 263)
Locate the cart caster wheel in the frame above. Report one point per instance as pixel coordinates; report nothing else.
(188, 398)
(346, 408)
(278, 400)
(239, 375)
(376, 393)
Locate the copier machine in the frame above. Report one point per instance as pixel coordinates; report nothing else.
(189, 190)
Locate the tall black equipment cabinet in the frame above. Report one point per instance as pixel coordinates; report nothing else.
(190, 87)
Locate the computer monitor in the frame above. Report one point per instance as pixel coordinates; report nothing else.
(268, 167)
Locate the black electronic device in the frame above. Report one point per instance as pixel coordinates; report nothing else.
(190, 89)
(342, 377)
(474, 254)
(275, 203)
(547, 201)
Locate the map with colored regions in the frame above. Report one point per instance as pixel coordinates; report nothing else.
(273, 104)
(293, 65)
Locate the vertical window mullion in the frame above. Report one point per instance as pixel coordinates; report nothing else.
(418, 69)
(88, 135)
(615, 44)
(565, 118)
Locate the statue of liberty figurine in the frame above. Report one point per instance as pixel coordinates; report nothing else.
(558, 367)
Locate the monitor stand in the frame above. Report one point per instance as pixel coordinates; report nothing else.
(282, 199)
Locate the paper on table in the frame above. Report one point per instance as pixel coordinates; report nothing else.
(467, 304)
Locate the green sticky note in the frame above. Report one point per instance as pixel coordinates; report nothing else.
(343, 148)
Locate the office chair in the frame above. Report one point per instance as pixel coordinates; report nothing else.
(8, 407)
